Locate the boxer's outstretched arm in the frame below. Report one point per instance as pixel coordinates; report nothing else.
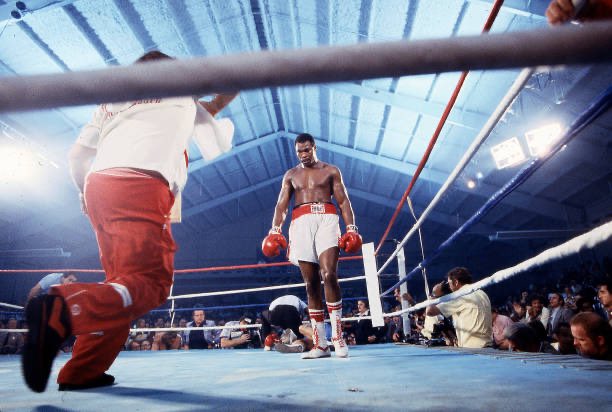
(80, 158)
(218, 103)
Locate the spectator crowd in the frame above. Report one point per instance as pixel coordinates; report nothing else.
(572, 314)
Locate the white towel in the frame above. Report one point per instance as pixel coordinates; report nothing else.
(213, 137)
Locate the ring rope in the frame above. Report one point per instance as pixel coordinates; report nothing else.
(600, 105)
(588, 240)
(227, 292)
(501, 108)
(8, 305)
(589, 43)
(177, 271)
(434, 138)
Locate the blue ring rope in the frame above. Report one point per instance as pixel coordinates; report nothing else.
(596, 108)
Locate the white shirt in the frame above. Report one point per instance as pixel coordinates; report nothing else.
(153, 134)
(291, 301)
(542, 317)
(471, 317)
(50, 280)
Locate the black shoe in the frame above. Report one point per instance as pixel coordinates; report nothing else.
(48, 327)
(103, 380)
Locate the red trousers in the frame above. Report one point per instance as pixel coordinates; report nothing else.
(130, 216)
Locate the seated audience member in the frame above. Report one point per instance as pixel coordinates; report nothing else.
(11, 342)
(584, 305)
(134, 345)
(145, 345)
(558, 312)
(365, 333)
(521, 338)
(545, 346)
(592, 336)
(395, 329)
(138, 337)
(519, 311)
(399, 297)
(537, 311)
(524, 298)
(564, 340)
(198, 338)
(166, 340)
(604, 294)
(569, 298)
(241, 338)
(500, 323)
(471, 313)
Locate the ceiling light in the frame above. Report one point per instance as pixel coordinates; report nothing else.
(471, 184)
(508, 153)
(542, 139)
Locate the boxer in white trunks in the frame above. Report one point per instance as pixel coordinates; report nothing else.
(314, 238)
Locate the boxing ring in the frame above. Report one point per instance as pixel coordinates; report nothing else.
(374, 377)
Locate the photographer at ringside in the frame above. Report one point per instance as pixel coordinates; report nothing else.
(241, 338)
(439, 329)
(471, 313)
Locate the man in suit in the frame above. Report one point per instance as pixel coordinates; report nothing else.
(558, 312)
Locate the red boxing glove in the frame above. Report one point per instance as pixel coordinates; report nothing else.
(271, 339)
(271, 244)
(351, 241)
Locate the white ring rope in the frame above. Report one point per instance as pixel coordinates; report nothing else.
(506, 101)
(590, 43)
(588, 240)
(8, 305)
(228, 292)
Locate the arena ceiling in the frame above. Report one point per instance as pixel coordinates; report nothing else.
(375, 130)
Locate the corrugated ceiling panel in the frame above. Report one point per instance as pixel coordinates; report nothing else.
(212, 181)
(112, 30)
(398, 132)
(341, 118)
(66, 41)
(417, 86)
(345, 20)
(205, 22)
(388, 20)
(490, 89)
(24, 56)
(254, 165)
(369, 126)
(292, 99)
(312, 100)
(435, 19)
(159, 21)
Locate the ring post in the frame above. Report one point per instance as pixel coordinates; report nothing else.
(369, 265)
(401, 266)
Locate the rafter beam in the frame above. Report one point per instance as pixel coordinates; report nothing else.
(194, 210)
(462, 118)
(437, 217)
(260, 141)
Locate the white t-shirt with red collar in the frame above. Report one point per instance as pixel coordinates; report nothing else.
(153, 134)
